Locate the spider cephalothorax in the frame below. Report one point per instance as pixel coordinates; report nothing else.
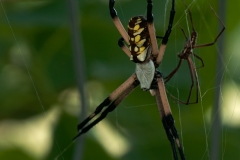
(188, 48)
(139, 39)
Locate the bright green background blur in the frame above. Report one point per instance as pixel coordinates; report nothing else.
(39, 101)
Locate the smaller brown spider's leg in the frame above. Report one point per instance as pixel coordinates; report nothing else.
(117, 21)
(151, 29)
(219, 34)
(109, 100)
(196, 79)
(199, 59)
(167, 78)
(190, 15)
(167, 34)
(111, 106)
(124, 47)
(193, 74)
(183, 32)
(193, 77)
(167, 119)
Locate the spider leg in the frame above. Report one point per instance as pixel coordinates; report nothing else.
(219, 34)
(183, 32)
(109, 100)
(167, 34)
(199, 59)
(111, 106)
(151, 28)
(124, 47)
(160, 37)
(190, 15)
(173, 72)
(167, 119)
(117, 21)
(193, 77)
(169, 30)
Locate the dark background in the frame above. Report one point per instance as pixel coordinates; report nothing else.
(39, 100)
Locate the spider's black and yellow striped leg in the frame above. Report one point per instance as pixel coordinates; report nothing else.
(110, 104)
(117, 21)
(167, 34)
(124, 47)
(151, 28)
(167, 118)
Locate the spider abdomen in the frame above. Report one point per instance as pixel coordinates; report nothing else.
(139, 39)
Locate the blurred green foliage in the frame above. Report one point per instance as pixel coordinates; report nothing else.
(37, 81)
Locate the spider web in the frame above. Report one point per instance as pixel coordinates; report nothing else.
(134, 130)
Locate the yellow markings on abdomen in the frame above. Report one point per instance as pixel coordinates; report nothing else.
(139, 31)
(139, 38)
(140, 43)
(136, 49)
(142, 49)
(136, 27)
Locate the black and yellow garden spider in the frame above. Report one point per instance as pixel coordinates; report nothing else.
(143, 50)
(186, 53)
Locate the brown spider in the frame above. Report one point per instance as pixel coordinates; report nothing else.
(186, 53)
